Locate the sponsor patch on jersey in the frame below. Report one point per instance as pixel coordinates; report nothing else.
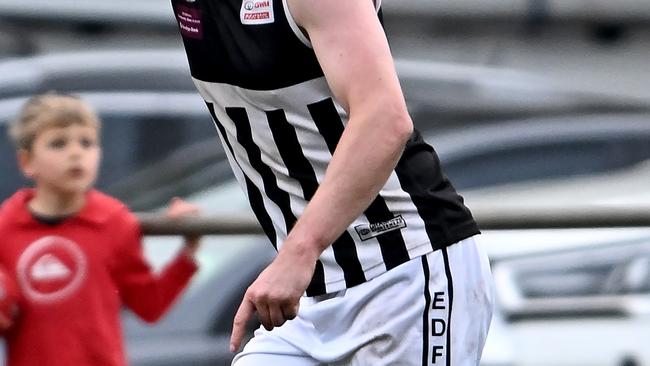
(189, 21)
(369, 231)
(255, 12)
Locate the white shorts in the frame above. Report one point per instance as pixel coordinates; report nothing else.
(432, 310)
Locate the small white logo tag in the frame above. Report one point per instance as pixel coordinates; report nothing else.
(254, 12)
(372, 230)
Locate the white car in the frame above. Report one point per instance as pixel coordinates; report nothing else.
(574, 296)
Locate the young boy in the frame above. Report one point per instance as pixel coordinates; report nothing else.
(74, 252)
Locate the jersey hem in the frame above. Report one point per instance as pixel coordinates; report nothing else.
(460, 233)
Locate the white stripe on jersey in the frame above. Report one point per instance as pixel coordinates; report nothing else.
(244, 168)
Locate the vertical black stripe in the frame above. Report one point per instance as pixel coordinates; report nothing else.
(330, 126)
(317, 283)
(290, 150)
(245, 139)
(277, 195)
(254, 195)
(427, 306)
(286, 140)
(328, 122)
(450, 289)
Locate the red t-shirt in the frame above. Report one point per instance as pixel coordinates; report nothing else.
(74, 277)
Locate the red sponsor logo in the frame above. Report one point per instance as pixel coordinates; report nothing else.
(257, 16)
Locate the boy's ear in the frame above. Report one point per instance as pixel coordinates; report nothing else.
(24, 163)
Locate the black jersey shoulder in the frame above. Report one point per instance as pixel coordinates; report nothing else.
(222, 49)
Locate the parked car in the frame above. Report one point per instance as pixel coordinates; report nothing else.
(584, 294)
(137, 97)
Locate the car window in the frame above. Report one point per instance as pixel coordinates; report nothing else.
(634, 278)
(133, 142)
(622, 187)
(617, 268)
(546, 160)
(566, 282)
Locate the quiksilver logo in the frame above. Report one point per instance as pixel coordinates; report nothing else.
(369, 231)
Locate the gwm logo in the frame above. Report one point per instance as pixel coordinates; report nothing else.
(257, 12)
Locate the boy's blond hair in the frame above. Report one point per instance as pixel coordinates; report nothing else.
(50, 110)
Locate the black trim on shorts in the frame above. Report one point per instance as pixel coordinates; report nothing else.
(427, 305)
(450, 289)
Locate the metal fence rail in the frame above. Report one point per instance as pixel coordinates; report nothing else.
(489, 218)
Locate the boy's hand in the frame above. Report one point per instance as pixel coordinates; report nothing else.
(179, 209)
(5, 323)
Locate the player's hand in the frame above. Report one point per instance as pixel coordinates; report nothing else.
(275, 294)
(178, 209)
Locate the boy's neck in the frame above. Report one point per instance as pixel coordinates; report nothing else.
(53, 204)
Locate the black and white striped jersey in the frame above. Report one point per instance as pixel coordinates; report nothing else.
(280, 125)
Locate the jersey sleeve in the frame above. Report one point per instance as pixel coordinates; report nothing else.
(145, 293)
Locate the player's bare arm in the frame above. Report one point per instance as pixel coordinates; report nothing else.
(353, 52)
(354, 55)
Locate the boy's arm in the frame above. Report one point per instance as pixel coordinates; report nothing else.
(353, 52)
(148, 295)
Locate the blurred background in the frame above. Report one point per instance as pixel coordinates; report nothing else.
(529, 103)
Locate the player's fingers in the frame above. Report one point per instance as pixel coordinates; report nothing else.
(290, 311)
(243, 315)
(264, 315)
(277, 317)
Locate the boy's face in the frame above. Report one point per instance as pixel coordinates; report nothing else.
(63, 160)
